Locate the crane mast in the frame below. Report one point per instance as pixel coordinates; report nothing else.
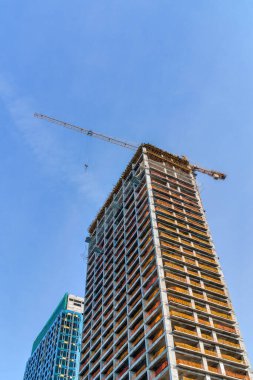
(88, 132)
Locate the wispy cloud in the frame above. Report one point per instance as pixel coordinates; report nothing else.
(46, 148)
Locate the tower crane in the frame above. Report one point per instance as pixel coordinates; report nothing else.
(88, 132)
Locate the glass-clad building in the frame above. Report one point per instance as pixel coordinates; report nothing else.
(56, 351)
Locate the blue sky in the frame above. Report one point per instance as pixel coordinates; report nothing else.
(177, 74)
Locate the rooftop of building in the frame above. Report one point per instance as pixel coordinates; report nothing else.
(153, 150)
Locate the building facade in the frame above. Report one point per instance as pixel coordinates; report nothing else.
(156, 303)
(56, 351)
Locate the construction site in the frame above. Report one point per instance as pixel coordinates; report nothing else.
(126, 247)
(156, 301)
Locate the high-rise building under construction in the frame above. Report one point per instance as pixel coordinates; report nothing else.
(156, 304)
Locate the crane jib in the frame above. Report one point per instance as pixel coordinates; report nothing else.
(87, 132)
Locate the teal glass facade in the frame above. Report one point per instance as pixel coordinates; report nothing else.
(56, 351)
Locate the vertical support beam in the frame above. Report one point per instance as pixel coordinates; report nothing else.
(162, 285)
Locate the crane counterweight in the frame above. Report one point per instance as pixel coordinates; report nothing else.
(216, 175)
